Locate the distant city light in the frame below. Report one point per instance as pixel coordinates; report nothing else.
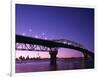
(65, 42)
(45, 38)
(23, 34)
(36, 36)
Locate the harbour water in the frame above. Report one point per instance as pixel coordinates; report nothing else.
(44, 65)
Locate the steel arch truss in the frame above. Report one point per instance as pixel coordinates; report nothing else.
(31, 47)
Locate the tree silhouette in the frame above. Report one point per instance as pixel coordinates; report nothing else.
(27, 58)
(20, 58)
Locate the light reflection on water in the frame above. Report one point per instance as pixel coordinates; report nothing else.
(44, 65)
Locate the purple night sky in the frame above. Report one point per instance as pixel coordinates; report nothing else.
(76, 24)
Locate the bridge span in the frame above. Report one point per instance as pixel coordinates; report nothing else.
(52, 46)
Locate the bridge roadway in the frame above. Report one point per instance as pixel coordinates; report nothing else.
(52, 44)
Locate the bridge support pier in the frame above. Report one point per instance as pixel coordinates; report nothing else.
(53, 57)
(86, 56)
(88, 60)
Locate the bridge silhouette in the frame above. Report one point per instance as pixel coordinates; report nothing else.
(51, 46)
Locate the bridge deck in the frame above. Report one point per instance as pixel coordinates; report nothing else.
(48, 43)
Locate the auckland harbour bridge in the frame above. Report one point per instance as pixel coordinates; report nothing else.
(26, 43)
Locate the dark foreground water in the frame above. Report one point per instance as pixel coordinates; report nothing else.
(44, 65)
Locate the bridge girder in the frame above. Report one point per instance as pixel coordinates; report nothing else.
(31, 47)
(47, 44)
